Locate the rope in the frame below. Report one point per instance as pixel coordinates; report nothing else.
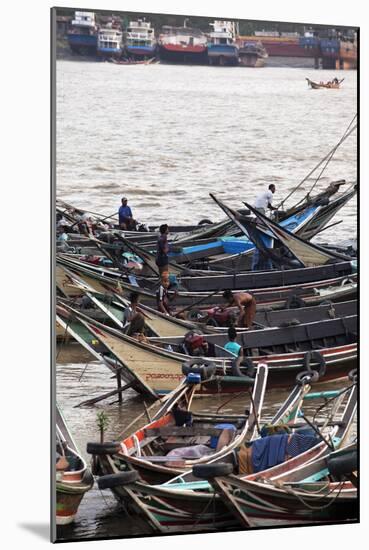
(331, 152)
(211, 502)
(307, 505)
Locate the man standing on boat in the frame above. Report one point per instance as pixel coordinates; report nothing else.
(264, 200)
(126, 220)
(162, 249)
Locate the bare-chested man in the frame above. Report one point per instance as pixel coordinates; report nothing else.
(245, 302)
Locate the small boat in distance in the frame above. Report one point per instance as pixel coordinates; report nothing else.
(222, 48)
(335, 83)
(252, 54)
(140, 40)
(110, 40)
(82, 34)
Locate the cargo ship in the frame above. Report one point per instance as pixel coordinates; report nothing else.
(252, 54)
(222, 47)
(280, 44)
(82, 34)
(110, 41)
(139, 38)
(182, 44)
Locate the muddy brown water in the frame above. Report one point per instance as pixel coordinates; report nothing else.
(165, 136)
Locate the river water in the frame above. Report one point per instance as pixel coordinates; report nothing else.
(165, 136)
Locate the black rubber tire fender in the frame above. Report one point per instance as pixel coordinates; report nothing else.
(307, 377)
(317, 357)
(108, 448)
(340, 465)
(206, 369)
(118, 480)
(352, 375)
(209, 471)
(205, 221)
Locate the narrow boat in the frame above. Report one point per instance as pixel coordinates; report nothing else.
(206, 437)
(252, 54)
(222, 47)
(185, 504)
(73, 478)
(308, 254)
(139, 40)
(159, 363)
(336, 289)
(82, 34)
(331, 84)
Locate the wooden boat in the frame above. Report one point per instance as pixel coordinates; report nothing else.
(74, 480)
(184, 505)
(334, 84)
(308, 254)
(291, 502)
(157, 364)
(236, 281)
(330, 204)
(149, 449)
(336, 289)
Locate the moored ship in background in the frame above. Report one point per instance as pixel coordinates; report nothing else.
(222, 47)
(252, 54)
(182, 44)
(140, 40)
(110, 40)
(82, 33)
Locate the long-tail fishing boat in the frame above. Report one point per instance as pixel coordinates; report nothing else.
(73, 478)
(336, 289)
(205, 436)
(159, 363)
(308, 254)
(334, 84)
(185, 504)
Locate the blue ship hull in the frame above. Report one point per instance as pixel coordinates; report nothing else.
(141, 51)
(223, 54)
(82, 43)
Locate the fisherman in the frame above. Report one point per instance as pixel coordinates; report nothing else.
(126, 220)
(131, 310)
(232, 345)
(162, 249)
(264, 200)
(162, 296)
(246, 304)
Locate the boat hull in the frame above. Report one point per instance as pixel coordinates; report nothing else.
(81, 43)
(141, 52)
(222, 54)
(183, 54)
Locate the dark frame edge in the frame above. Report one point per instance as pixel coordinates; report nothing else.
(53, 12)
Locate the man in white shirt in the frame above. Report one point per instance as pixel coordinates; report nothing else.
(264, 200)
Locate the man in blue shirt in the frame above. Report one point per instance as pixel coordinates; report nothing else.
(126, 220)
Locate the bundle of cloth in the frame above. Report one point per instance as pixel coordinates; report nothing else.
(271, 450)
